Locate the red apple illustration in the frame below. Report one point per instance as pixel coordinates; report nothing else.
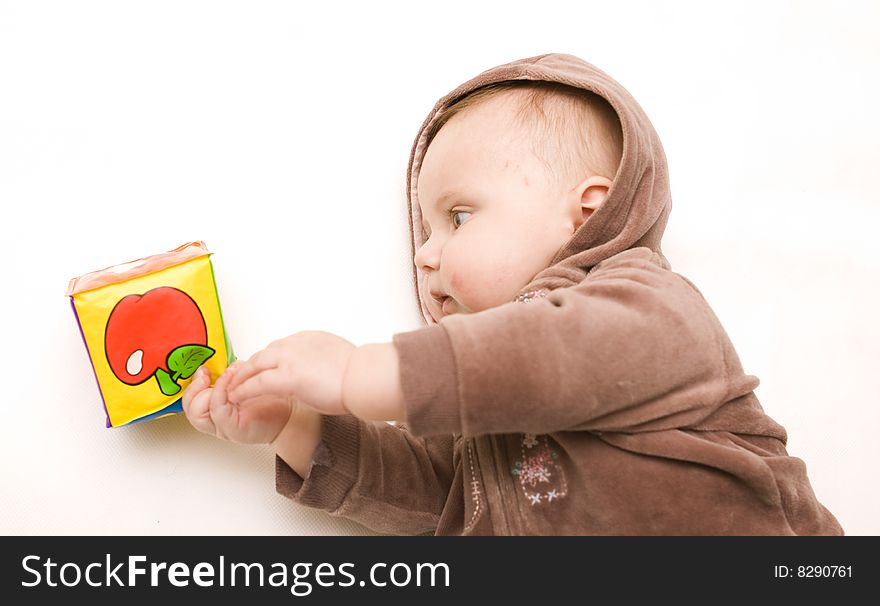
(160, 333)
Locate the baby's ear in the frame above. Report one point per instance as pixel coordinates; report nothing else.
(593, 192)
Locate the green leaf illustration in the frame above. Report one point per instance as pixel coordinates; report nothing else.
(186, 359)
(166, 383)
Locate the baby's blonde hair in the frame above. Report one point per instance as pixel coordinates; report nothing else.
(574, 132)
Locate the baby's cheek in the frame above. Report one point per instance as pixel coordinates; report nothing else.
(460, 289)
(455, 281)
(478, 275)
(463, 290)
(476, 289)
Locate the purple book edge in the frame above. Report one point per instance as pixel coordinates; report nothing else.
(94, 370)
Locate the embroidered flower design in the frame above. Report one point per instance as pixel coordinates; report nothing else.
(531, 295)
(533, 469)
(538, 467)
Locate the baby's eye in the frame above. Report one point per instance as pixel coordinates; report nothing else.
(455, 213)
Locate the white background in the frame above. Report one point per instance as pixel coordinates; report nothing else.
(279, 132)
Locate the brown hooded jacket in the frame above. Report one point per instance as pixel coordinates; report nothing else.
(607, 399)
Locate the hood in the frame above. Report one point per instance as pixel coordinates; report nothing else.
(638, 203)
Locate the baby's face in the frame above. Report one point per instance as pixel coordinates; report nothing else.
(493, 216)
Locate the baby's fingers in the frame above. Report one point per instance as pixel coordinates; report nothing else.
(268, 382)
(257, 363)
(201, 380)
(196, 403)
(223, 414)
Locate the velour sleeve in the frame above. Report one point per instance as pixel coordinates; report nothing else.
(633, 347)
(374, 473)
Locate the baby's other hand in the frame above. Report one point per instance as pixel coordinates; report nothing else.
(257, 420)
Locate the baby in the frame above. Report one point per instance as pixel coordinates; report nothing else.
(568, 382)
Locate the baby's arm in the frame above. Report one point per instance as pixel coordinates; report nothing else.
(325, 373)
(366, 470)
(278, 395)
(370, 391)
(297, 441)
(371, 386)
(632, 348)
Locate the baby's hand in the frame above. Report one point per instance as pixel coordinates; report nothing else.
(257, 420)
(306, 368)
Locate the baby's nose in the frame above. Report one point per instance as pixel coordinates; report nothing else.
(427, 257)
